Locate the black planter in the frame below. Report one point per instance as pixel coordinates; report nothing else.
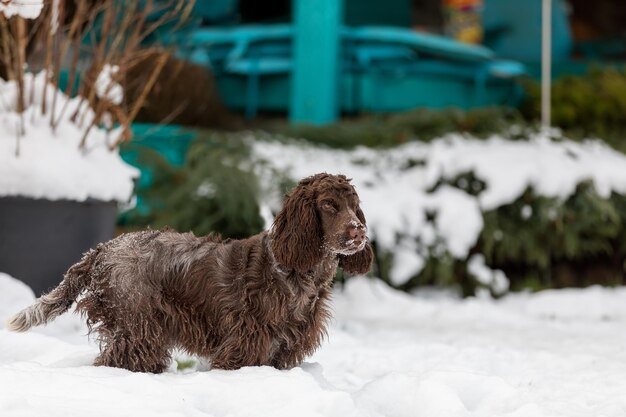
(40, 239)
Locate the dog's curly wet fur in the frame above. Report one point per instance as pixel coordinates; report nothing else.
(256, 301)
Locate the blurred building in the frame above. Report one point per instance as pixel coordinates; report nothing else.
(317, 59)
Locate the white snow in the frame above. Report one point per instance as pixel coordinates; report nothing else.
(558, 353)
(527, 212)
(28, 9)
(106, 87)
(494, 279)
(395, 185)
(39, 162)
(552, 168)
(407, 260)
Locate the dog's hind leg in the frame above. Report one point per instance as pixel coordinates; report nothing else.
(139, 347)
(136, 358)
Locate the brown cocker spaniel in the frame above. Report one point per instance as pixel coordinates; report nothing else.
(257, 301)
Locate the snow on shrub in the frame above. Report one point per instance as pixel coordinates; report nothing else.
(106, 86)
(40, 162)
(56, 147)
(415, 214)
(552, 168)
(28, 9)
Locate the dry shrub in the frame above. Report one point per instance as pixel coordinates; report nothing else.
(183, 94)
(87, 39)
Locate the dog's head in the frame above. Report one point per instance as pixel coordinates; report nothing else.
(322, 216)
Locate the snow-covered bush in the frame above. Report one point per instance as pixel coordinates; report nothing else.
(40, 162)
(551, 242)
(62, 144)
(429, 206)
(458, 210)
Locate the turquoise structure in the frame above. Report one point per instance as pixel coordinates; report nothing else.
(316, 61)
(151, 147)
(317, 66)
(514, 31)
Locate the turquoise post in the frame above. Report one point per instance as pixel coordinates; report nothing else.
(316, 61)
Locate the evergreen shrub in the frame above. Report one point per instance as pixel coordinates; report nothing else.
(592, 105)
(385, 130)
(544, 243)
(214, 191)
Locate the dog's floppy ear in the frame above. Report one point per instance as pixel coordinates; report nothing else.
(360, 262)
(297, 232)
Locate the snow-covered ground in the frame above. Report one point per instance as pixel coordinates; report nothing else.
(554, 353)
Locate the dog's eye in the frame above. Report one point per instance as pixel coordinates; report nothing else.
(329, 206)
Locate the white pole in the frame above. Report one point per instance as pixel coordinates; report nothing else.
(546, 63)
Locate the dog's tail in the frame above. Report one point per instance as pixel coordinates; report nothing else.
(57, 301)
